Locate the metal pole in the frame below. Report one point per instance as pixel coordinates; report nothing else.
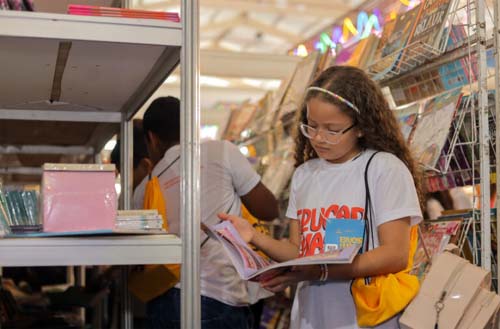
(496, 38)
(484, 138)
(80, 281)
(190, 167)
(126, 172)
(126, 153)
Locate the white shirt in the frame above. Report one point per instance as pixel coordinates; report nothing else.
(327, 190)
(225, 176)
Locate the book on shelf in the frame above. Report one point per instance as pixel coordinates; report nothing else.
(429, 28)
(378, 65)
(456, 37)
(146, 220)
(19, 210)
(263, 107)
(407, 118)
(369, 49)
(396, 35)
(272, 114)
(280, 168)
(251, 266)
(433, 127)
(302, 77)
(324, 62)
(358, 54)
(122, 12)
(435, 236)
(394, 50)
(239, 120)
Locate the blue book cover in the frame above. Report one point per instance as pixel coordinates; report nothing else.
(342, 233)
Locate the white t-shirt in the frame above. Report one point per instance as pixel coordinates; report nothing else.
(225, 176)
(322, 190)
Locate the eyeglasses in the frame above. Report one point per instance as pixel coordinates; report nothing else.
(330, 137)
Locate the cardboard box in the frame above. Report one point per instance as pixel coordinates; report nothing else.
(78, 197)
(458, 280)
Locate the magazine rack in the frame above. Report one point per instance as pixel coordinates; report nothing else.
(416, 53)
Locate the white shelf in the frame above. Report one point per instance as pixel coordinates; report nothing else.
(90, 72)
(112, 64)
(98, 250)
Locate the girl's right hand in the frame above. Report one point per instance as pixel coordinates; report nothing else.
(244, 228)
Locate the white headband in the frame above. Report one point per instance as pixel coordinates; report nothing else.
(334, 95)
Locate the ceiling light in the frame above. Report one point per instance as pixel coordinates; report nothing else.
(213, 81)
(205, 43)
(267, 84)
(272, 84)
(302, 51)
(230, 46)
(252, 82)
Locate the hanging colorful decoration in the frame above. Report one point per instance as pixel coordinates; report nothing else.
(348, 32)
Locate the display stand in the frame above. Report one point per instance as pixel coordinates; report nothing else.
(83, 69)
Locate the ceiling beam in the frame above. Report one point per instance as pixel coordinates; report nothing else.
(314, 9)
(220, 36)
(248, 65)
(290, 37)
(223, 25)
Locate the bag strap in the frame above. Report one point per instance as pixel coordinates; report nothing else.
(167, 168)
(368, 214)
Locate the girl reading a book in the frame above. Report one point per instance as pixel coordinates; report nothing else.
(344, 123)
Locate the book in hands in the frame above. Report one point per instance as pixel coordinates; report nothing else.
(252, 266)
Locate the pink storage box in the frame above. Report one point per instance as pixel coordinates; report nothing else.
(78, 197)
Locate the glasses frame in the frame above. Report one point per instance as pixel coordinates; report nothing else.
(304, 127)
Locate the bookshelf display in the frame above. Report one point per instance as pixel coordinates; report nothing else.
(454, 57)
(106, 250)
(93, 73)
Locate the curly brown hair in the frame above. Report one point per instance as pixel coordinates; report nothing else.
(380, 128)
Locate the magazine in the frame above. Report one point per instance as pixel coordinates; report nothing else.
(239, 120)
(251, 266)
(407, 118)
(302, 77)
(434, 237)
(433, 127)
(431, 23)
(395, 39)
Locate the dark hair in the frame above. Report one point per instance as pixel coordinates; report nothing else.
(140, 150)
(380, 128)
(163, 119)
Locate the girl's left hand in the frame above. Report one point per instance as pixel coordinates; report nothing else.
(295, 275)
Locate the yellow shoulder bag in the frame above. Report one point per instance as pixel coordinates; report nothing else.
(380, 298)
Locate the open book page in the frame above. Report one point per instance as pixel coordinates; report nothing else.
(251, 266)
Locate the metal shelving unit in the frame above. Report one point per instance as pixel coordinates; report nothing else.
(94, 73)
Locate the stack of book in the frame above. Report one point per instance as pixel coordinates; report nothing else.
(18, 211)
(120, 12)
(139, 220)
